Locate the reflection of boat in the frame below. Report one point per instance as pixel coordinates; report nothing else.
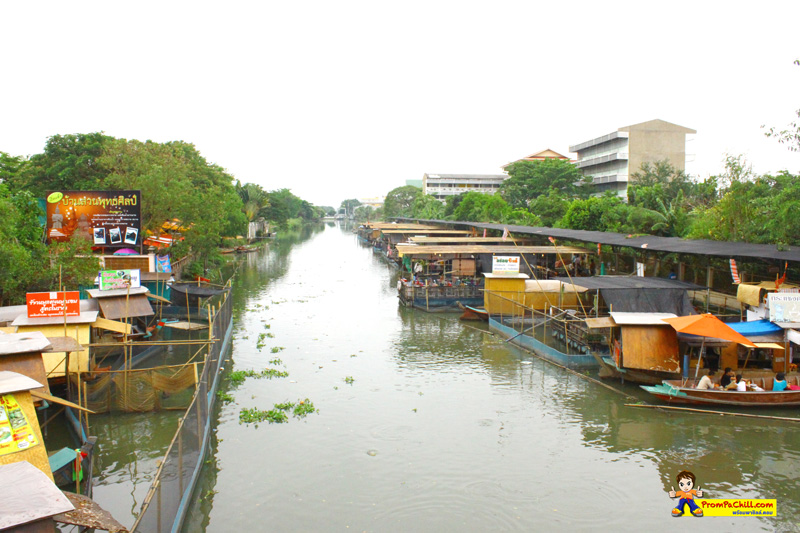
(473, 313)
(182, 294)
(676, 391)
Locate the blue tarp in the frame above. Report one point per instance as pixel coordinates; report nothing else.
(755, 328)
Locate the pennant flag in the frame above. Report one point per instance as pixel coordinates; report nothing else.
(779, 281)
(734, 272)
(505, 233)
(551, 240)
(484, 233)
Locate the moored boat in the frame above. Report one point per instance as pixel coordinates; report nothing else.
(678, 391)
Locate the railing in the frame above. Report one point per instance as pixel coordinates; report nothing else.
(167, 500)
(563, 327)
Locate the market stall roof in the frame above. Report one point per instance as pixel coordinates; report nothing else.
(31, 341)
(456, 240)
(649, 242)
(33, 496)
(416, 249)
(438, 231)
(629, 282)
(641, 319)
(396, 225)
(122, 303)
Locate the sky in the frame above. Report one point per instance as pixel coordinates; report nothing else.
(349, 99)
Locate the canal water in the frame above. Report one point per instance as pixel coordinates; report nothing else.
(425, 423)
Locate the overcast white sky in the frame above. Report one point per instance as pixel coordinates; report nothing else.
(348, 99)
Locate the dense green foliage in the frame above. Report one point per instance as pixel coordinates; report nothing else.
(26, 264)
(530, 179)
(176, 182)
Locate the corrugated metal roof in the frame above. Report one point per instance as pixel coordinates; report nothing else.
(648, 242)
(629, 282)
(416, 249)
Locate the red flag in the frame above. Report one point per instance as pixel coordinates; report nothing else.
(779, 281)
(551, 240)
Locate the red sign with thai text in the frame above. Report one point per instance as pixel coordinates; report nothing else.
(47, 304)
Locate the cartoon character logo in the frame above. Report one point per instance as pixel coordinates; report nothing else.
(686, 481)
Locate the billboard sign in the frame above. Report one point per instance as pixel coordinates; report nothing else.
(784, 307)
(119, 279)
(503, 264)
(107, 218)
(48, 304)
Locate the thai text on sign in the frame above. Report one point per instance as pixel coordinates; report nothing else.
(503, 263)
(48, 304)
(119, 279)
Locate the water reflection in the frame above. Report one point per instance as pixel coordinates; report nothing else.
(444, 425)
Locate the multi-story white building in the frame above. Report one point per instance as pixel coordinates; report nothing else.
(612, 158)
(441, 186)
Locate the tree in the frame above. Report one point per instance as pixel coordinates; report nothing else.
(603, 213)
(69, 162)
(550, 207)
(427, 207)
(399, 201)
(12, 167)
(349, 206)
(254, 199)
(530, 179)
(21, 248)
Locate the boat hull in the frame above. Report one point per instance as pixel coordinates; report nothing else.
(643, 377)
(531, 344)
(671, 392)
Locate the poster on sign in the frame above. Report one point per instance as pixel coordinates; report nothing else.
(502, 264)
(106, 218)
(784, 307)
(163, 264)
(119, 279)
(48, 304)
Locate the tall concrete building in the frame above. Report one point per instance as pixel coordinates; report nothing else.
(441, 186)
(611, 159)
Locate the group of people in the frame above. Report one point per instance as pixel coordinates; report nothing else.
(735, 382)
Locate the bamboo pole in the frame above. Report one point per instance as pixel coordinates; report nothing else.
(710, 412)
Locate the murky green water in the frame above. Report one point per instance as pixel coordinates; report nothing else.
(443, 427)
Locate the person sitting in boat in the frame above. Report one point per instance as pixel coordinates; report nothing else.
(741, 384)
(727, 381)
(705, 381)
(779, 383)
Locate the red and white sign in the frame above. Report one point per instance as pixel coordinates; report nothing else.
(47, 304)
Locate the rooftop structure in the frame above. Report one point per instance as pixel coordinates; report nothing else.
(441, 186)
(613, 158)
(538, 156)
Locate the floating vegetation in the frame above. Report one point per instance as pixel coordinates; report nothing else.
(273, 373)
(353, 355)
(276, 361)
(254, 416)
(237, 377)
(267, 326)
(276, 349)
(224, 396)
(349, 380)
(278, 414)
(271, 335)
(304, 408)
